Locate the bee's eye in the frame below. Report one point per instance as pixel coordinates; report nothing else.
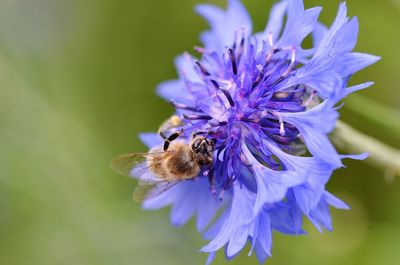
(196, 144)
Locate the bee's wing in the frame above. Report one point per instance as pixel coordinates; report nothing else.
(146, 190)
(123, 164)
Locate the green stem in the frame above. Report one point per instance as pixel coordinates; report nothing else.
(352, 141)
(386, 118)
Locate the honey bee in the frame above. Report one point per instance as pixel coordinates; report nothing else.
(162, 168)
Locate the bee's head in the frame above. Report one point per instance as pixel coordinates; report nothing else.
(203, 150)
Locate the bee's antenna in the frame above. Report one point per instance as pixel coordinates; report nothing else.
(215, 124)
(208, 132)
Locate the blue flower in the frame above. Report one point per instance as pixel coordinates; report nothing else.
(269, 104)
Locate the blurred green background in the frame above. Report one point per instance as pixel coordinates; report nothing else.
(77, 83)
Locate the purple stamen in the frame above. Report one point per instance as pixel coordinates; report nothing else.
(183, 106)
(289, 69)
(248, 120)
(281, 127)
(233, 61)
(199, 49)
(259, 77)
(196, 117)
(215, 84)
(228, 97)
(310, 98)
(214, 123)
(221, 195)
(270, 40)
(241, 47)
(292, 63)
(202, 68)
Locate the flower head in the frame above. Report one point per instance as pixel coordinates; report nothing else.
(269, 105)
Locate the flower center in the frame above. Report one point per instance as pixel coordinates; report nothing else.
(246, 89)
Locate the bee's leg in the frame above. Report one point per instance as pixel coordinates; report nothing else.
(173, 122)
(169, 139)
(162, 135)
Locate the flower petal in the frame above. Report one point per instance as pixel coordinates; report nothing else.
(320, 216)
(261, 254)
(335, 202)
(347, 64)
(272, 185)
(320, 30)
(352, 89)
(236, 227)
(275, 22)
(208, 207)
(314, 125)
(210, 258)
(287, 218)
(187, 198)
(262, 232)
(224, 24)
(174, 90)
(150, 139)
(299, 23)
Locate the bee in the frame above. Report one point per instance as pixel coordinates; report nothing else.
(162, 168)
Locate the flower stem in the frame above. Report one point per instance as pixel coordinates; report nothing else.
(349, 139)
(385, 117)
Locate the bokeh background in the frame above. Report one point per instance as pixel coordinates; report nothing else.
(77, 82)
